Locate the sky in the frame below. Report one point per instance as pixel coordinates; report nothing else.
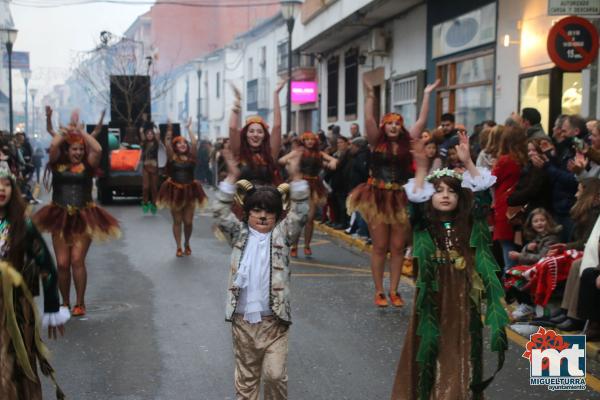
(53, 36)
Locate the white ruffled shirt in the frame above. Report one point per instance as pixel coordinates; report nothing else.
(253, 277)
(484, 181)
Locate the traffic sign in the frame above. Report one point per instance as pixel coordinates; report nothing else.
(573, 7)
(572, 43)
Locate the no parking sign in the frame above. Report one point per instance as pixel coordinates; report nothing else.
(573, 43)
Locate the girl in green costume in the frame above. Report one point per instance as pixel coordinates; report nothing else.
(442, 355)
(24, 262)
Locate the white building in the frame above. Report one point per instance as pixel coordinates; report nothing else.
(250, 63)
(382, 41)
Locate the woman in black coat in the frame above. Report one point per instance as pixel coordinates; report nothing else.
(534, 188)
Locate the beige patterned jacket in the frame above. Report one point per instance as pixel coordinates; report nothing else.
(284, 234)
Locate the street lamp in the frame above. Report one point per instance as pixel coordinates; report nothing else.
(33, 92)
(290, 10)
(26, 74)
(9, 36)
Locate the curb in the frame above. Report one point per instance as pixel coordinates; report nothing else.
(359, 244)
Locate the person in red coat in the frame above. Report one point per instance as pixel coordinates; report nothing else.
(512, 157)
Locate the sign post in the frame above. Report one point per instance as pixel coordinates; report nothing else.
(573, 45)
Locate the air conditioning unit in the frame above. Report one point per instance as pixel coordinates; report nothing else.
(469, 30)
(377, 42)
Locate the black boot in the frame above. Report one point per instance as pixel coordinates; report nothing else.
(571, 324)
(560, 317)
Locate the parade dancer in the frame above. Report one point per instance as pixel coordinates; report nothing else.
(181, 192)
(73, 218)
(312, 162)
(254, 146)
(258, 303)
(151, 145)
(381, 200)
(443, 346)
(24, 259)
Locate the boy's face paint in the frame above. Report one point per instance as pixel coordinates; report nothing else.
(261, 220)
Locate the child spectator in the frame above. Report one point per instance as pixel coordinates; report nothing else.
(431, 151)
(489, 153)
(555, 267)
(541, 230)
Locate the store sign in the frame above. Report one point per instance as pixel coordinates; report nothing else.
(573, 7)
(304, 92)
(572, 43)
(20, 60)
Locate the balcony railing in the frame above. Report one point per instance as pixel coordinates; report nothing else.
(257, 94)
(298, 60)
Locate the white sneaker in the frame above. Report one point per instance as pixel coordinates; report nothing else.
(522, 310)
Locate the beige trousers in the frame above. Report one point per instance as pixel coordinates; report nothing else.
(571, 293)
(260, 351)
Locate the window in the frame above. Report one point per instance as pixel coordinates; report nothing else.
(250, 69)
(551, 92)
(218, 89)
(467, 88)
(351, 81)
(282, 56)
(404, 98)
(263, 60)
(534, 91)
(332, 87)
(252, 95)
(572, 93)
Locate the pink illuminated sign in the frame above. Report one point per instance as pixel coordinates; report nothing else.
(304, 92)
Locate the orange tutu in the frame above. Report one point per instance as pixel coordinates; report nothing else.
(318, 191)
(176, 196)
(72, 223)
(377, 205)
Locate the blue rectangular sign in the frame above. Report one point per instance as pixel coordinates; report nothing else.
(20, 60)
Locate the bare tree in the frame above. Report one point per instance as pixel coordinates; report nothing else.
(127, 62)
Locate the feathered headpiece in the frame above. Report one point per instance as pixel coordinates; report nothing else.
(256, 119)
(74, 137)
(178, 139)
(438, 173)
(391, 117)
(309, 135)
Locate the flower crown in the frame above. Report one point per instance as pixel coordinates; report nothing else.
(5, 171)
(438, 173)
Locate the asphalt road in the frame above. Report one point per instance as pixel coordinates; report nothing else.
(155, 327)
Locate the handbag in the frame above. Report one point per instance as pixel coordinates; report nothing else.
(516, 215)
